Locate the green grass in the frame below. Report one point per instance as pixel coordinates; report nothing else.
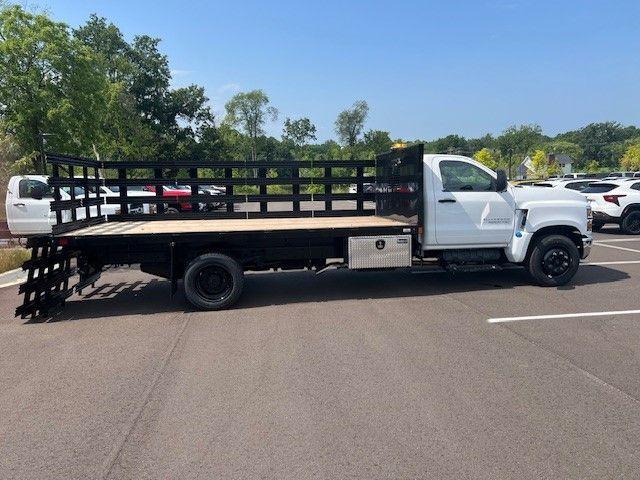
(11, 258)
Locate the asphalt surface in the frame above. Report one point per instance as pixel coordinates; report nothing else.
(343, 375)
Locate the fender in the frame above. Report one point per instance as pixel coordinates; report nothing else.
(629, 208)
(565, 215)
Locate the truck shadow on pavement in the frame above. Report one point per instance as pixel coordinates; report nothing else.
(147, 295)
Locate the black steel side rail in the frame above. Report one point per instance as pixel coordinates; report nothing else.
(303, 197)
(213, 164)
(236, 181)
(241, 182)
(233, 177)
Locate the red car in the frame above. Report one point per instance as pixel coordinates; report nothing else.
(173, 192)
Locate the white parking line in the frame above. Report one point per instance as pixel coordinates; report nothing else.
(617, 248)
(618, 240)
(519, 267)
(620, 262)
(563, 315)
(11, 284)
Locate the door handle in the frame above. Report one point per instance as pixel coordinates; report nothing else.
(19, 204)
(447, 200)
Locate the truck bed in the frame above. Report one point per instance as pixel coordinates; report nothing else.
(157, 227)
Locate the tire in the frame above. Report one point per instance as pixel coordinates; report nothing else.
(213, 281)
(596, 227)
(631, 223)
(554, 260)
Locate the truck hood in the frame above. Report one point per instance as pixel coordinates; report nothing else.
(525, 196)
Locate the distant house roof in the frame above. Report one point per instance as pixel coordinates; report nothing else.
(560, 158)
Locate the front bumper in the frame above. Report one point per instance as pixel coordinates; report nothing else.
(587, 242)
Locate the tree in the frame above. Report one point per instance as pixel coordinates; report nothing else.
(454, 144)
(601, 141)
(49, 84)
(518, 141)
(475, 144)
(593, 166)
(539, 164)
(631, 159)
(350, 123)
(553, 168)
(250, 110)
(541, 167)
(299, 131)
(149, 112)
(486, 157)
(123, 133)
(564, 148)
(111, 49)
(377, 141)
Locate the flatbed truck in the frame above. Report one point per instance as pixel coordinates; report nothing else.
(424, 209)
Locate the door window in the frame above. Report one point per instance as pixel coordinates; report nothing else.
(465, 177)
(26, 186)
(636, 186)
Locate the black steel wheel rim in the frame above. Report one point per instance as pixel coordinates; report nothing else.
(556, 262)
(214, 283)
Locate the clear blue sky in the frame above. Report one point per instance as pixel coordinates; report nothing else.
(426, 68)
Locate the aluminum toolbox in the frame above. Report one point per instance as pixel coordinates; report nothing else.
(380, 252)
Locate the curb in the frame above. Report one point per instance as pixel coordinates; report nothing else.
(12, 277)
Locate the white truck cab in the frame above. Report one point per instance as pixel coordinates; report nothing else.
(472, 213)
(28, 205)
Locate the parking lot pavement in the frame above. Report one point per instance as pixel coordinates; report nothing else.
(346, 374)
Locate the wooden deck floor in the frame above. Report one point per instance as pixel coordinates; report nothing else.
(152, 227)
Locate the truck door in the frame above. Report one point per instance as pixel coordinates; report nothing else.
(29, 213)
(468, 209)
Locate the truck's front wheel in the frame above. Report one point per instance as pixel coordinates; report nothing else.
(554, 260)
(213, 281)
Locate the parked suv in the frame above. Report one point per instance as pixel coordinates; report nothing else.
(615, 201)
(578, 185)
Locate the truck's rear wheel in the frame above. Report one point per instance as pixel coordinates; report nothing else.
(554, 260)
(631, 223)
(213, 281)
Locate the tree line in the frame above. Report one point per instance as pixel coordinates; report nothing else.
(88, 91)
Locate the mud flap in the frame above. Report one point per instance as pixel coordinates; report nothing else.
(172, 270)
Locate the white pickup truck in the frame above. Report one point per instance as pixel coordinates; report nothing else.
(29, 197)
